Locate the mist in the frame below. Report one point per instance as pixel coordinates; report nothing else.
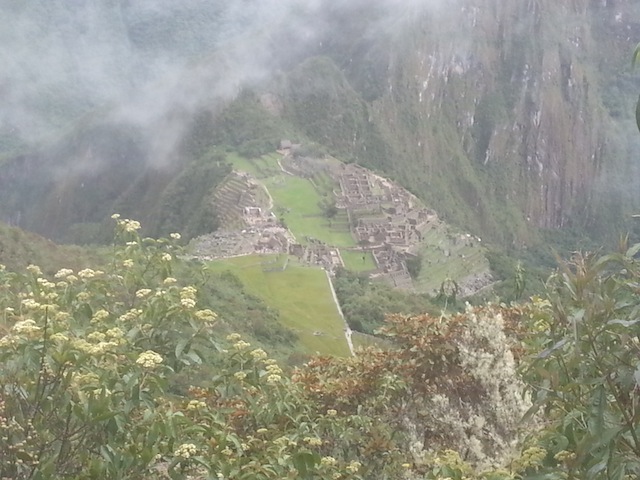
(152, 63)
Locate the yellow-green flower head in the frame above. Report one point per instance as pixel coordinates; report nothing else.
(169, 281)
(86, 273)
(175, 236)
(206, 315)
(273, 379)
(82, 296)
(274, 369)
(233, 337)
(186, 450)
(149, 359)
(114, 332)
(27, 328)
(128, 263)
(196, 405)
(313, 441)
(328, 461)
(130, 226)
(34, 269)
(44, 283)
(96, 337)
(241, 345)
(166, 257)
(143, 292)
(258, 354)
(353, 467)
(99, 316)
(188, 303)
(59, 338)
(30, 304)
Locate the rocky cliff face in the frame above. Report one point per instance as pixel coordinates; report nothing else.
(494, 112)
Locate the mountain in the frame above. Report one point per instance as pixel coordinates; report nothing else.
(505, 117)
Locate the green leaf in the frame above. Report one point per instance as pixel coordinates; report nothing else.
(633, 250)
(303, 461)
(597, 469)
(638, 113)
(635, 59)
(182, 344)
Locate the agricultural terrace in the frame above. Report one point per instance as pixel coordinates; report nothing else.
(447, 255)
(297, 201)
(301, 294)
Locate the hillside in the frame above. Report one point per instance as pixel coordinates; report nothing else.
(512, 124)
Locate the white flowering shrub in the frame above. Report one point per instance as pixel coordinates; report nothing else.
(90, 361)
(452, 384)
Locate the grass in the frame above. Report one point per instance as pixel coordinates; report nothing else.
(297, 204)
(353, 260)
(297, 201)
(301, 294)
(463, 259)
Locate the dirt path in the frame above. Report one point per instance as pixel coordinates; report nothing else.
(347, 330)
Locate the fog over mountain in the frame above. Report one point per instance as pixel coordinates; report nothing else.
(493, 112)
(143, 60)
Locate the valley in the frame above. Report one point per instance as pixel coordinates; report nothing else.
(334, 215)
(337, 240)
(286, 219)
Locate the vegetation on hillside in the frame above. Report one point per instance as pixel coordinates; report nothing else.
(126, 372)
(365, 304)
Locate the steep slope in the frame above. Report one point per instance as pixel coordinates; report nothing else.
(493, 113)
(503, 116)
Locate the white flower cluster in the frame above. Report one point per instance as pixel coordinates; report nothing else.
(487, 428)
(131, 315)
(188, 297)
(328, 461)
(44, 283)
(186, 450)
(30, 304)
(274, 374)
(149, 359)
(241, 345)
(63, 273)
(99, 316)
(94, 348)
(86, 273)
(196, 405)
(129, 226)
(34, 269)
(258, 354)
(206, 316)
(27, 328)
(143, 292)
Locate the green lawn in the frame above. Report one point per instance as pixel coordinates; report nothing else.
(297, 204)
(462, 260)
(301, 294)
(353, 260)
(297, 201)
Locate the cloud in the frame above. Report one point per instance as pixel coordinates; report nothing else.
(153, 63)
